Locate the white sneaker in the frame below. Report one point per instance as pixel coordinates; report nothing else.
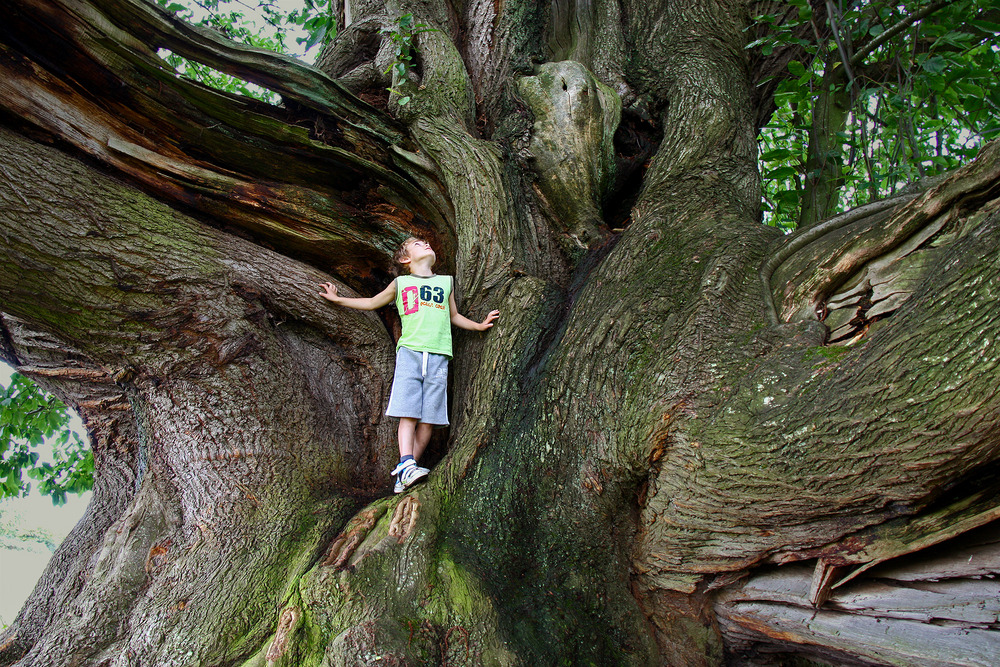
(407, 474)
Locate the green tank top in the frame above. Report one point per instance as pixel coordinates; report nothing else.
(423, 306)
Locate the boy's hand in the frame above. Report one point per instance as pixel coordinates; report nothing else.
(383, 298)
(329, 291)
(488, 322)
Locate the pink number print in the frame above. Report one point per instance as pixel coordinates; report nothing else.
(411, 300)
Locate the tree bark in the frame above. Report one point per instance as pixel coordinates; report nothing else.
(678, 417)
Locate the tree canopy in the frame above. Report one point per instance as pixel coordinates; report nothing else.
(31, 420)
(894, 93)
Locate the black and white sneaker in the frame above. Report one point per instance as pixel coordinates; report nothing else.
(407, 474)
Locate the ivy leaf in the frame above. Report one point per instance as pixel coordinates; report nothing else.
(777, 154)
(781, 173)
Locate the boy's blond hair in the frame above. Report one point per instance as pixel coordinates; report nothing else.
(402, 252)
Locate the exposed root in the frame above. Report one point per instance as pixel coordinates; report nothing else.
(285, 626)
(344, 546)
(405, 518)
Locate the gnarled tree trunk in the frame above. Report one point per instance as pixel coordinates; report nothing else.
(688, 440)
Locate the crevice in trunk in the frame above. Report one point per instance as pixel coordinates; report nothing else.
(7, 344)
(975, 481)
(636, 141)
(560, 312)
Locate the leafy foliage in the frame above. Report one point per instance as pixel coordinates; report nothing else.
(402, 38)
(319, 24)
(921, 91)
(31, 419)
(315, 22)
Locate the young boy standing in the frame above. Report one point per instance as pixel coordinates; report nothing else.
(426, 305)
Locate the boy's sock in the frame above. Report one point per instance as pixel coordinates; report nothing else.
(404, 462)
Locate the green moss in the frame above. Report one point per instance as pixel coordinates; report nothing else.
(824, 354)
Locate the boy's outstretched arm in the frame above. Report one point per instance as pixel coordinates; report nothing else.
(463, 322)
(383, 298)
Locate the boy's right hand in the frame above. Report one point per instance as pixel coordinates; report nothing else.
(329, 291)
(383, 298)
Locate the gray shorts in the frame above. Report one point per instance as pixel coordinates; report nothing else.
(420, 387)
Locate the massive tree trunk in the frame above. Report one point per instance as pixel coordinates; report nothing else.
(688, 440)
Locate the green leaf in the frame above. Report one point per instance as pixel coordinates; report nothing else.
(316, 36)
(778, 154)
(986, 26)
(781, 173)
(36, 421)
(934, 64)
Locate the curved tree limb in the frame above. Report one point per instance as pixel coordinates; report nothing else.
(798, 241)
(804, 289)
(292, 79)
(301, 176)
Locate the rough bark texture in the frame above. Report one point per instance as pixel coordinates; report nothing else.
(687, 441)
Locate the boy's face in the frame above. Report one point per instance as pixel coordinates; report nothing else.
(416, 250)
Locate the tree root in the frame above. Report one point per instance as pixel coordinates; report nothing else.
(347, 542)
(404, 518)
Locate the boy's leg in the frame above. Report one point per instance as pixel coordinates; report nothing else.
(422, 436)
(412, 442)
(407, 434)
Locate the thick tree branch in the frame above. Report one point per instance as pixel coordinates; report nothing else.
(308, 177)
(795, 265)
(256, 425)
(293, 79)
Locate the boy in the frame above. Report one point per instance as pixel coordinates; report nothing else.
(426, 305)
